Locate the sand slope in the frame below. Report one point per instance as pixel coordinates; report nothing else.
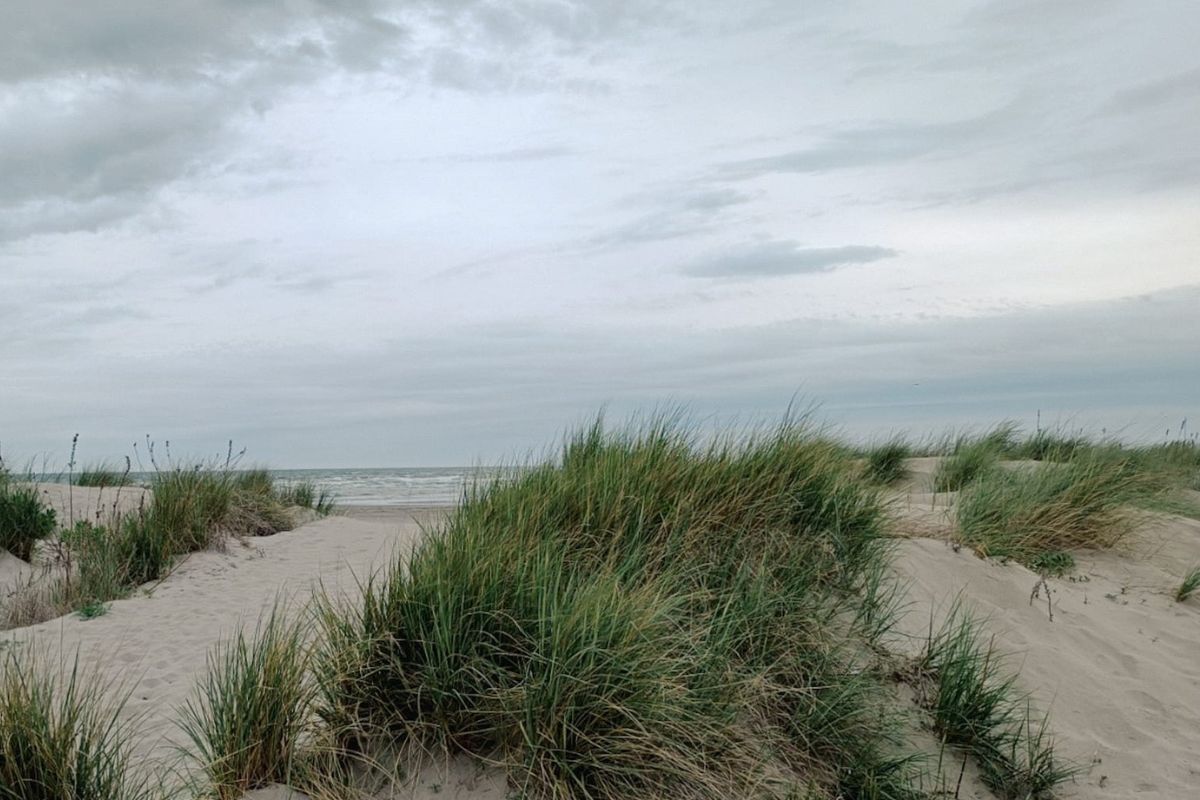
(157, 641)
(1119, 665)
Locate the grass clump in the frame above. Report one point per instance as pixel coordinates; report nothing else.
(59, 737)
(102, 475)
(976, 707)
(307, 494)
(1191, 582)
(643, 616)
(23, 520)
(972, 457)
(251, 709)
(885, 462)
(1028, 514)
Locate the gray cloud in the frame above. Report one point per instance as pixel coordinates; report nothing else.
(1178, 88)
(495, 392)
(881, 143)
(108, 104)
(782, 258)
(677, 211)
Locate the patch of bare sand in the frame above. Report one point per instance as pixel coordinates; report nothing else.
(90, 503)
(155, 643)
(1118, 667)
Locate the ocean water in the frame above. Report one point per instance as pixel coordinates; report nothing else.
(404, 486)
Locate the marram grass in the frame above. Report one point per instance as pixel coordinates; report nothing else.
(976, 707)
(61, 738)
(644, 616)
(1025, 514)
(250, 710)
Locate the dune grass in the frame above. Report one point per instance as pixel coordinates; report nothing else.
(976, 707)
(1026, 514)
(885, 462)
(307, 494)
(250, 710)
(60, 737)
(102, 475)
(641, 617)
(23, 520)
(967, 456)
(190, 508)
(1191, 582)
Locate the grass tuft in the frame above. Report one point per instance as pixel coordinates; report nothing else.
(966, 465)
(643, 616)
(1191, 582)
(102, 475)
(885, 462)
(23, 520)
(250, 710)
(59, 737)
(975, 706)
(1028, 514)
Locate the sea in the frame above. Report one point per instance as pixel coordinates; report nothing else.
(395, 486)
(392, 486)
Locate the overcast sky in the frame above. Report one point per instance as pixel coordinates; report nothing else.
(406, 233)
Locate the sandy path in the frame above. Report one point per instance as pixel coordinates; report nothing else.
(1118, 667)
(158, 643)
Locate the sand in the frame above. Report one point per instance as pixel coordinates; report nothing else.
(156, 642)
(1118, 668)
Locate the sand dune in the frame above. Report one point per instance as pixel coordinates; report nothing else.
(1118, 667)
(156, 642)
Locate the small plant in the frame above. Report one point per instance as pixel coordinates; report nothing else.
(306, 494)
(975, 706)
(1052, 562)
(59, 737)
(23, 520)
(1191, 583)
(92, 610)
(885, 462)
(250, 709)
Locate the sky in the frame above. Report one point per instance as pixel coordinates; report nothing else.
(373, 233)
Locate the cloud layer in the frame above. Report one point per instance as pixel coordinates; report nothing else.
(405, 231)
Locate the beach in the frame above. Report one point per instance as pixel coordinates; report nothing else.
(1106, 652)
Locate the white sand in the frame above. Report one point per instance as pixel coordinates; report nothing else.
(1118, 667)
(93, 504)
(157, 644)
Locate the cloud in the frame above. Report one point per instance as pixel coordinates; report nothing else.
(105, 105)
(782, 257)
(678, 210)
(881, 143)
(516, 154)
(1183, 87)
(494, 392)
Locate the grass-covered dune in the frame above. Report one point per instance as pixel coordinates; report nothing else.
(642, 616)
(99, 552)
(645, 613)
